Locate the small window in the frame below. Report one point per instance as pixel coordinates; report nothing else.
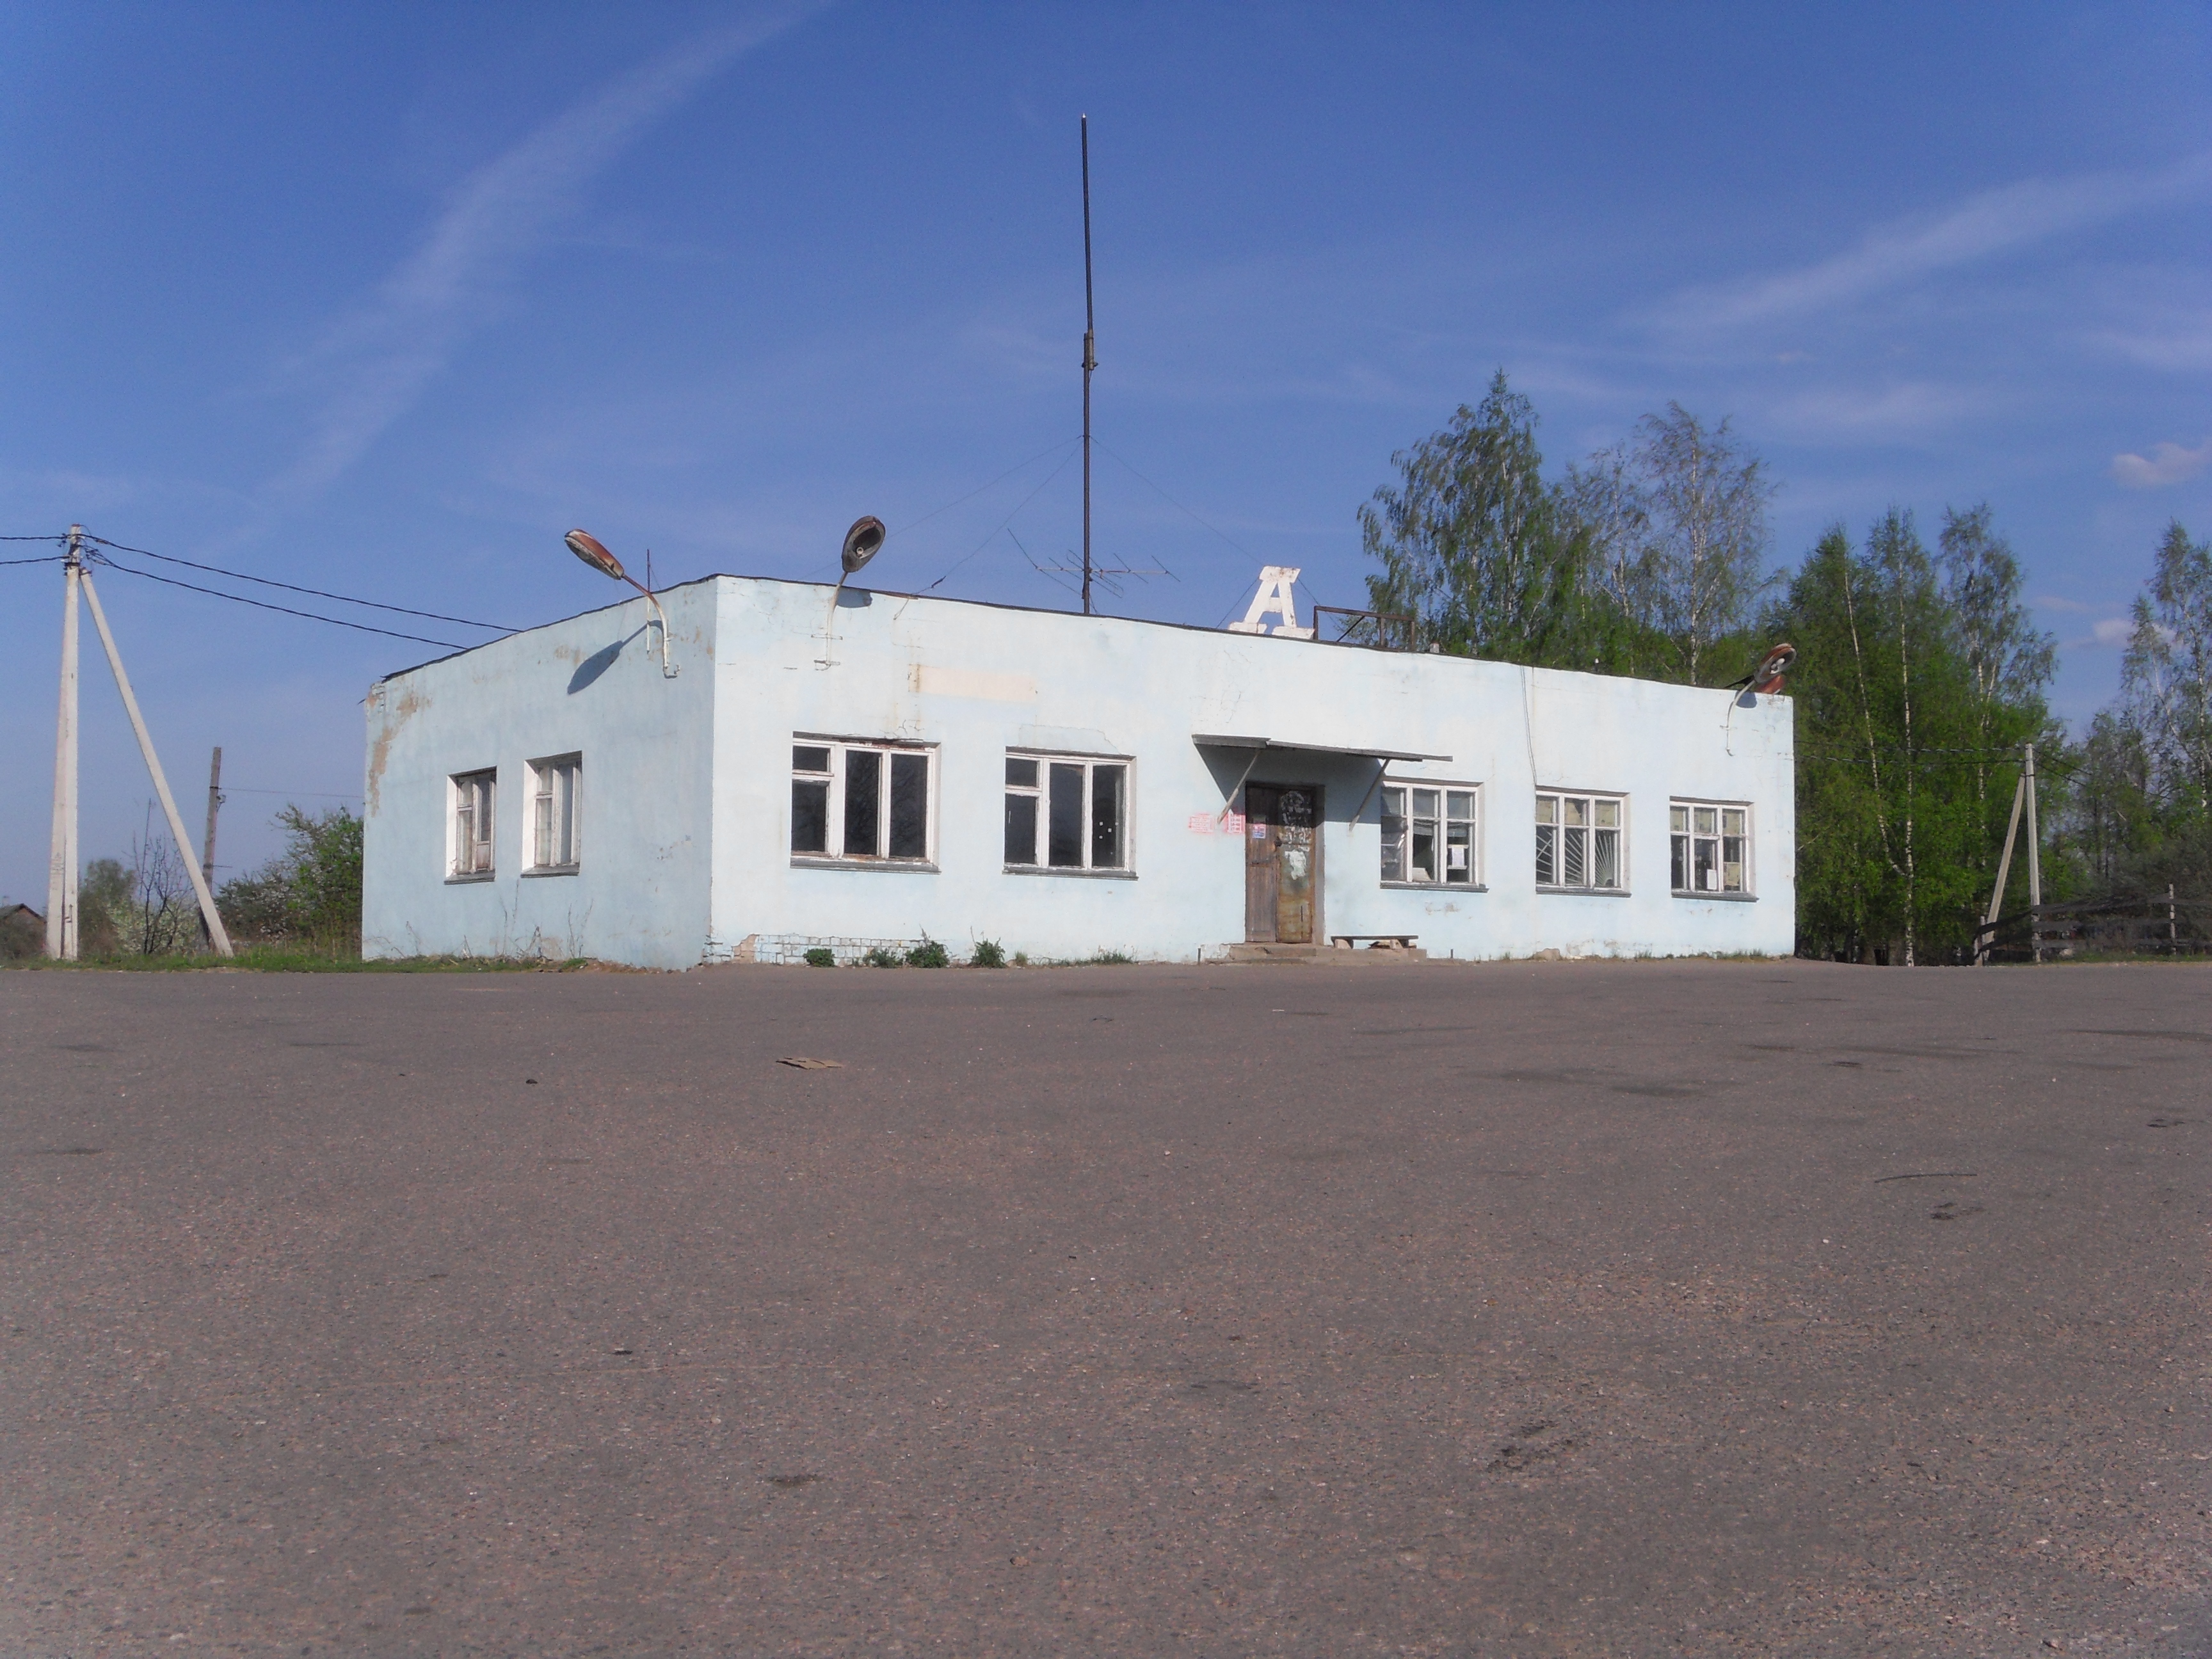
(1067, 813)
(554, 840)
(471, 852)
(1429, 836)
(1711, 847)
(1579, 846)
(861, 801)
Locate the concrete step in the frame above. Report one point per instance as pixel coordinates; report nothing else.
(1290, 955)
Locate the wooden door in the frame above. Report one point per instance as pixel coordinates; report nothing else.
(1282, 863)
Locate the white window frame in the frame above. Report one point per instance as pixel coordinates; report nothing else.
(1040, 792)
(557, 785)
(472, 841)
(840, 753)
(1683, 809)
(1562, 804)
(1407, 792)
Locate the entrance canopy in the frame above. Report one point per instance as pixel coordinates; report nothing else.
(1370, 751)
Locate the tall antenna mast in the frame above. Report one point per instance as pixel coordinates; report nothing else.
(1089, 362)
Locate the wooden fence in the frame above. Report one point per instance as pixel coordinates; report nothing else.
(2130, 925)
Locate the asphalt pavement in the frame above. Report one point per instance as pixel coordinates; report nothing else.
(1638, 1309)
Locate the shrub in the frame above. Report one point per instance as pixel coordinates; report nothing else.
(1021, 958)
(310, 893)
(928, 954)
(987, 953)
(821, 955)
(880, 957)
(1114, 958)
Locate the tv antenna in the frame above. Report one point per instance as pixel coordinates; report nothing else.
(1090, 361)
(1089, 570)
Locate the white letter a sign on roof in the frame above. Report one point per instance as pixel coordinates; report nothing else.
(1274, 599)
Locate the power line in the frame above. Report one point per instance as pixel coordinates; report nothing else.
(57, 540)
(263, 605)
(50, 558)
(317, 593)
(311, 794)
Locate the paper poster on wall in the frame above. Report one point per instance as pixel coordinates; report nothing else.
(1233, 825)
(1201, 823)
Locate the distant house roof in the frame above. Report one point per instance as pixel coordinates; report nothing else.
(9, 912)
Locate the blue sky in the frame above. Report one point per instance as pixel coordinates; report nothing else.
(383, 299)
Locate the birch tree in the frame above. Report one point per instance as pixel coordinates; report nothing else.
(1706, 496)
(1898, 706)
(1472, 542)
(2166, 680)
(1675, 523)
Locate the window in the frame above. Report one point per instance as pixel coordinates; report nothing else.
(1067, 813)
(1711, 847)
(555, 842)
(860, 801)
(470, 856)
(1429, 836)
(1578, 842)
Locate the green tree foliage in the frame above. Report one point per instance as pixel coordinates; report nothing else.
(1675, 528)
(1472, 542)
(1647, 559)
(310, 893)
(2166, 682)
(103, 907)
(2140, 814)
(1919, 677)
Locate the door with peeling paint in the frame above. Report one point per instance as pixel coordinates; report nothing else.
(1282, 863)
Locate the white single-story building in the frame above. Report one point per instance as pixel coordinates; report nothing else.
(811, 768)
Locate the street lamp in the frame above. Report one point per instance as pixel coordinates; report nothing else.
(593, 552)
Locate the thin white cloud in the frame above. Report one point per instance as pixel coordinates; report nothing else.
(2166, 463)
(376, 363)
(1845, 414)
(2107, 634)
(1991, 222)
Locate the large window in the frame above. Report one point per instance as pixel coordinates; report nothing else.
(556, 839)
(1578, 842)
(1064, 812)
(1711, 847)
(861, 801)
(1430, 836)
(469, 854)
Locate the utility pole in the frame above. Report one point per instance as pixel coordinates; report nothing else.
(208, 915)
(207, 846)
(61, 857)
(2034, 864)
(1986, 936)
(1089, 362)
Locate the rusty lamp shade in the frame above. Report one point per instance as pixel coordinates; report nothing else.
(1767, 677)
(861, 542)
(593, 552)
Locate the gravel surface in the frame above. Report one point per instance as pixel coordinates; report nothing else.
(1730, 1309)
